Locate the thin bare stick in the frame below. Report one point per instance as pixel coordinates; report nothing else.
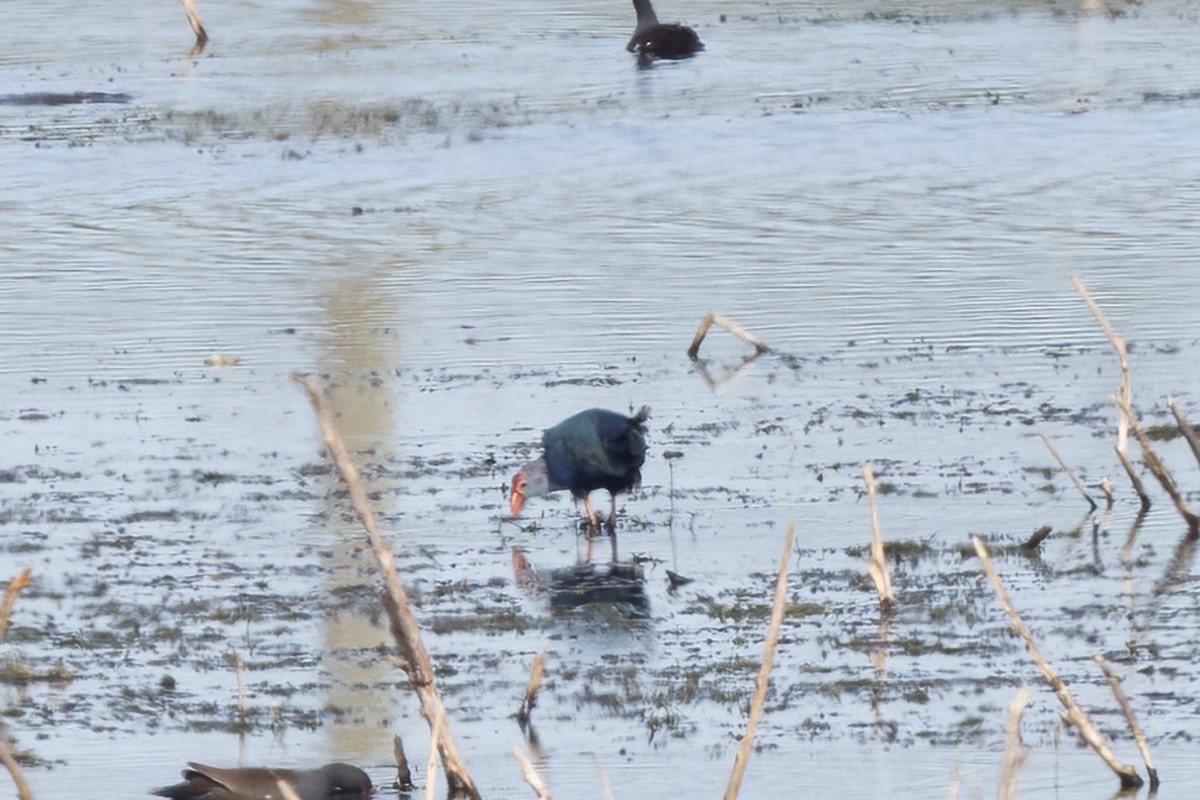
(605, 792)
(764, 672)
(877, 563)
(1138, 736)
(1122, 349)
(1070, 472)
(1125, 391)
(698, 339)
(1131, 472)
(531, 775)
(404, 781)
(431, 765)
(405, 629)
(14, 769)
(727, 324)
(193, 19)
(531, 689)
(1074, 714)
(1014, 751)
(20, 581)
(1185, 427)
(1159, 470)
(286, 791)
(1106, 487)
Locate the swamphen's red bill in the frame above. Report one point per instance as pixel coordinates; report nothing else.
(517, 496)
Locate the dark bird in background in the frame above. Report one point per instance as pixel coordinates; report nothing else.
(330, 782)
(595, 449)
(652, 39)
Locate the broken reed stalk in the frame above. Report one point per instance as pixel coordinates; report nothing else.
(877, 564)
(531, 689)
(1014, 751)
(20, 581)
(405, 629)
(1127, 710)
(1185, 427)
(193, 19)
(1159, 470)
(1125, 391)
(530, 774)
(286, 792)
(1074, 714)
(404, 781)
(1070, 472)
(764, 672)
(729, 325)
(14, 769)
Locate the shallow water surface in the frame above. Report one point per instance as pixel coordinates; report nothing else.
(473, 222)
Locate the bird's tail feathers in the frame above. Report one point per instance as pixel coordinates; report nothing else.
(642, 415)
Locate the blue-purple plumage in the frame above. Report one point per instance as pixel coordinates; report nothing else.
(594, 449)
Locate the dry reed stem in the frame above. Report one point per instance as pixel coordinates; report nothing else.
(14, 769)
(1131, 472)
(1127, 710)
(1070, 472)
(404, 781)
(764, 672)
(605, 792)
(531, 689)
(193, 19)
(405, 629)
(20, 581)
(727, 324)
(435, 735)
(1014, 751)
(1159, 470)
(1185, 427)
(286, 791)
(530, 774)
(1106, 487)
(1074, 714)
(877, 563)
(1125, 391)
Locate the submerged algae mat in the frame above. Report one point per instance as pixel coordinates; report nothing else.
(162, 558)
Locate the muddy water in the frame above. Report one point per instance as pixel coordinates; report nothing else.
(474, 222)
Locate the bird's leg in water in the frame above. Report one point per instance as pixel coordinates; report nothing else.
(591, 513)
(611, 522)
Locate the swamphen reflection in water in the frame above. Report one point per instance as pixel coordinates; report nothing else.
(330, 782)
(595, 449)
(653, 39)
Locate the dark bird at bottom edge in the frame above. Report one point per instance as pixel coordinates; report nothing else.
(330, 782)
(653, 39)
(595, 449)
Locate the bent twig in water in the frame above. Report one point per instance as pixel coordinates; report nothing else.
(1074, 714)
